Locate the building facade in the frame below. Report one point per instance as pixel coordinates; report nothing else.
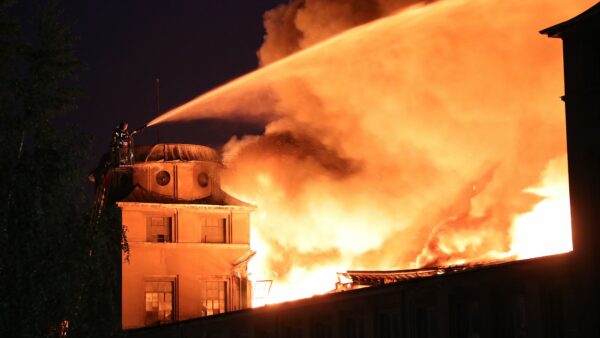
(189, 241)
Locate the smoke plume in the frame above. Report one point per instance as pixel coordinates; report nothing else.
(302, 23)
(410, 140)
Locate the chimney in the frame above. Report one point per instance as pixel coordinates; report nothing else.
(581, 54)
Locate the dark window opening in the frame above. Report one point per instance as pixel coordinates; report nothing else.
(203, 180)
(465, 319)
(552, 313)
(292, 332)
(425, 322)
(518, 321)
(320, 330)
(389, 325)
(163, 178)
(352, 327)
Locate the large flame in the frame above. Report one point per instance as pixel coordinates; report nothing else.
(429, 137)
(546, 229)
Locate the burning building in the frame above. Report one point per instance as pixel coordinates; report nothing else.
(189, 241)
(553, 296)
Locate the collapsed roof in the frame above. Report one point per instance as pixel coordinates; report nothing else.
(364, 278)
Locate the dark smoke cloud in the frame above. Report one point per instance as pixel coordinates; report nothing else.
(303, 148)
(304, 157)
(302, 23)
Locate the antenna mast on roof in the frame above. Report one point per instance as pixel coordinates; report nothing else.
(157, 93)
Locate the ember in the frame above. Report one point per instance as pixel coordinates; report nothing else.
(425, 138)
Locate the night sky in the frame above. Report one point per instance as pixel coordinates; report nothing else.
(192, 46)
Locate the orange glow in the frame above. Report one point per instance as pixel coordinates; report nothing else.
(430, 137)
(546, 229)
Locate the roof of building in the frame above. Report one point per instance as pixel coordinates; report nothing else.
(167, 152)
(141, 195)
(585, 20)
(376, 277)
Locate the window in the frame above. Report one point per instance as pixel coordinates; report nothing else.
(214, 230)
(425, 322)
(553, 313)
(262, 332)
(389, 325)
(159, 302)
(320, 329)
(203, 180)
(518, 319)
(352, 327)
(159, 229)
(292, 332)
(163, 178)
(214, 297)
(465, 319)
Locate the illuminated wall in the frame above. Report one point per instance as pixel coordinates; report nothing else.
(188, 244)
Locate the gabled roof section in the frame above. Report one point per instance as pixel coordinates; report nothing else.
(141, 195)
(168, 152)
(584, 21)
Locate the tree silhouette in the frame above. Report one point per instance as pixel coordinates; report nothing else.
(60, 271)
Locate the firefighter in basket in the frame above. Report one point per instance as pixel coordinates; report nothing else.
(122, 145)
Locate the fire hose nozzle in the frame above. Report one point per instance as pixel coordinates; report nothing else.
(140, 129)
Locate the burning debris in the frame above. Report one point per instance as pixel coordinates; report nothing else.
(357, 279)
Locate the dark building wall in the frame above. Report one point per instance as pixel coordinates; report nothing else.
(582, 101)
(533, 298)
(581, 50)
